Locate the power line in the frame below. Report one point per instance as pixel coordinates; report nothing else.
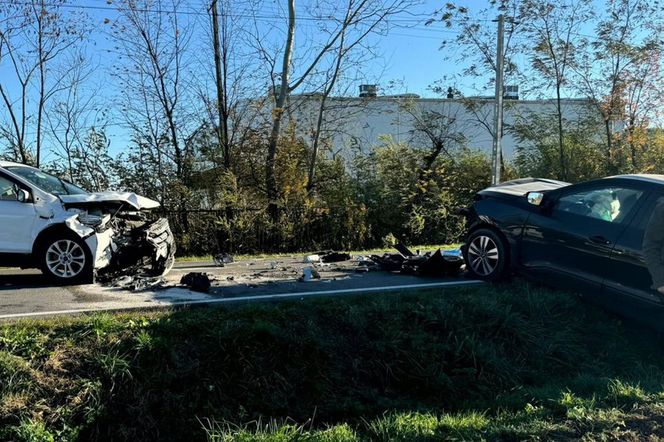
(194, 12)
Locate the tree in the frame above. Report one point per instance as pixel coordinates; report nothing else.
(626, 37)
(157, 90)
(361, 17)
(476, 37)
(475, 42)
(36, 39)
(74, 111)
(554, 30)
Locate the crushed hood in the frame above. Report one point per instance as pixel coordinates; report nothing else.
(522, 186)
(136, 201)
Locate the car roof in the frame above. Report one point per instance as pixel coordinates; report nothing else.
(11, 164)
(650, 178)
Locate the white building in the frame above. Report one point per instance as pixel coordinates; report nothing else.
(357, 124)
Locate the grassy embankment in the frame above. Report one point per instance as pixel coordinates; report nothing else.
(508, 363)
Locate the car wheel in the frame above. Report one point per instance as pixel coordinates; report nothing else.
(66, 259)
(486, 255)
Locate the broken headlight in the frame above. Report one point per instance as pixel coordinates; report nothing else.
(97, 222)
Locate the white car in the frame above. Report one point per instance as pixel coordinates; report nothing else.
(73, 235)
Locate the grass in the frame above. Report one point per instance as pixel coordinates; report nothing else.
(514, 362)
(376, 251)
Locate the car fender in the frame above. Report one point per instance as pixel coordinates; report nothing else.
(510, 229)
(99, 244)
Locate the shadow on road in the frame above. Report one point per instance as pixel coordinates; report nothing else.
(22, 280)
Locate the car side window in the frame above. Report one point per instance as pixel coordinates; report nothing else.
(8, 190)
(610, 204)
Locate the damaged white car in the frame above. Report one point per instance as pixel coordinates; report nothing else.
(74, 236)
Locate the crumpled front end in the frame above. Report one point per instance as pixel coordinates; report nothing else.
(145, 250)
(124, 242)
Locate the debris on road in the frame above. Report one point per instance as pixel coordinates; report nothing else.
(311, 259)
(438, 263)
(138, 283)
(327, 257)
(331, 257)
(197, 282)
(222, 259)
(366, 265)
(309, 274)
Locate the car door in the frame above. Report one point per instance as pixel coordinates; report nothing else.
(568, 243)
(629, 287)
(17, 218)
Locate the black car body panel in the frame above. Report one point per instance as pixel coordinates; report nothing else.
(563, 243)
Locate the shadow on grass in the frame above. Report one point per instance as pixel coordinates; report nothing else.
(503, 363)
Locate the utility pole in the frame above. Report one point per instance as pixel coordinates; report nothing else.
(496, 157)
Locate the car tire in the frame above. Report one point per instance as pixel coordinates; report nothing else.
(65, 259)
(487, 255)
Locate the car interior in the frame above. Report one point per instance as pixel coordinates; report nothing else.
(611, 204)
(7, 190)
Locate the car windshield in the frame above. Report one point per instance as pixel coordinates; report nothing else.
(46, 181)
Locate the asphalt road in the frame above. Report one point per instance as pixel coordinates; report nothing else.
(26, 293)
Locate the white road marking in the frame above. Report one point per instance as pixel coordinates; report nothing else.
(249, 298)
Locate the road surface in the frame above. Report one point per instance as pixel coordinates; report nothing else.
(25, 293)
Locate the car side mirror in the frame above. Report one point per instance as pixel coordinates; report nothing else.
(22, 196)
(535, 198)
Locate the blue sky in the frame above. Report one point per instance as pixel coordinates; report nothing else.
(411, 54)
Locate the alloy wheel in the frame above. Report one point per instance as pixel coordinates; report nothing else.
(483, 255)
(65, 259)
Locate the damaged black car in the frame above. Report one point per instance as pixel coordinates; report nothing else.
(603, 238)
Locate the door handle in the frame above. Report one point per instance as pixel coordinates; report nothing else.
(599, 239)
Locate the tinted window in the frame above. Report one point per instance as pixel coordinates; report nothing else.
(7, 190)
(611, 204)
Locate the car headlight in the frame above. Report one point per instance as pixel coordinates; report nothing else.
(97, 222)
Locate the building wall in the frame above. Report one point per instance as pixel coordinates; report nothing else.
(355, 125)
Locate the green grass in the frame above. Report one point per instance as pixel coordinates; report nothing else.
(514, 362)
(376, 251)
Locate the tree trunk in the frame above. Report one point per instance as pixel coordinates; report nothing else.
(561, 137)
(220, 73)
(42, 80)
(277, 114)
(607, 127)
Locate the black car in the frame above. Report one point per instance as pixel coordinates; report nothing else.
(587, 237)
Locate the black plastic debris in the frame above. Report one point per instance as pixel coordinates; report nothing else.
(330, 256)
(438, 263)
(196, 281)
(389, 262)
(435, 264)
(403, 250)
(222, 259)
